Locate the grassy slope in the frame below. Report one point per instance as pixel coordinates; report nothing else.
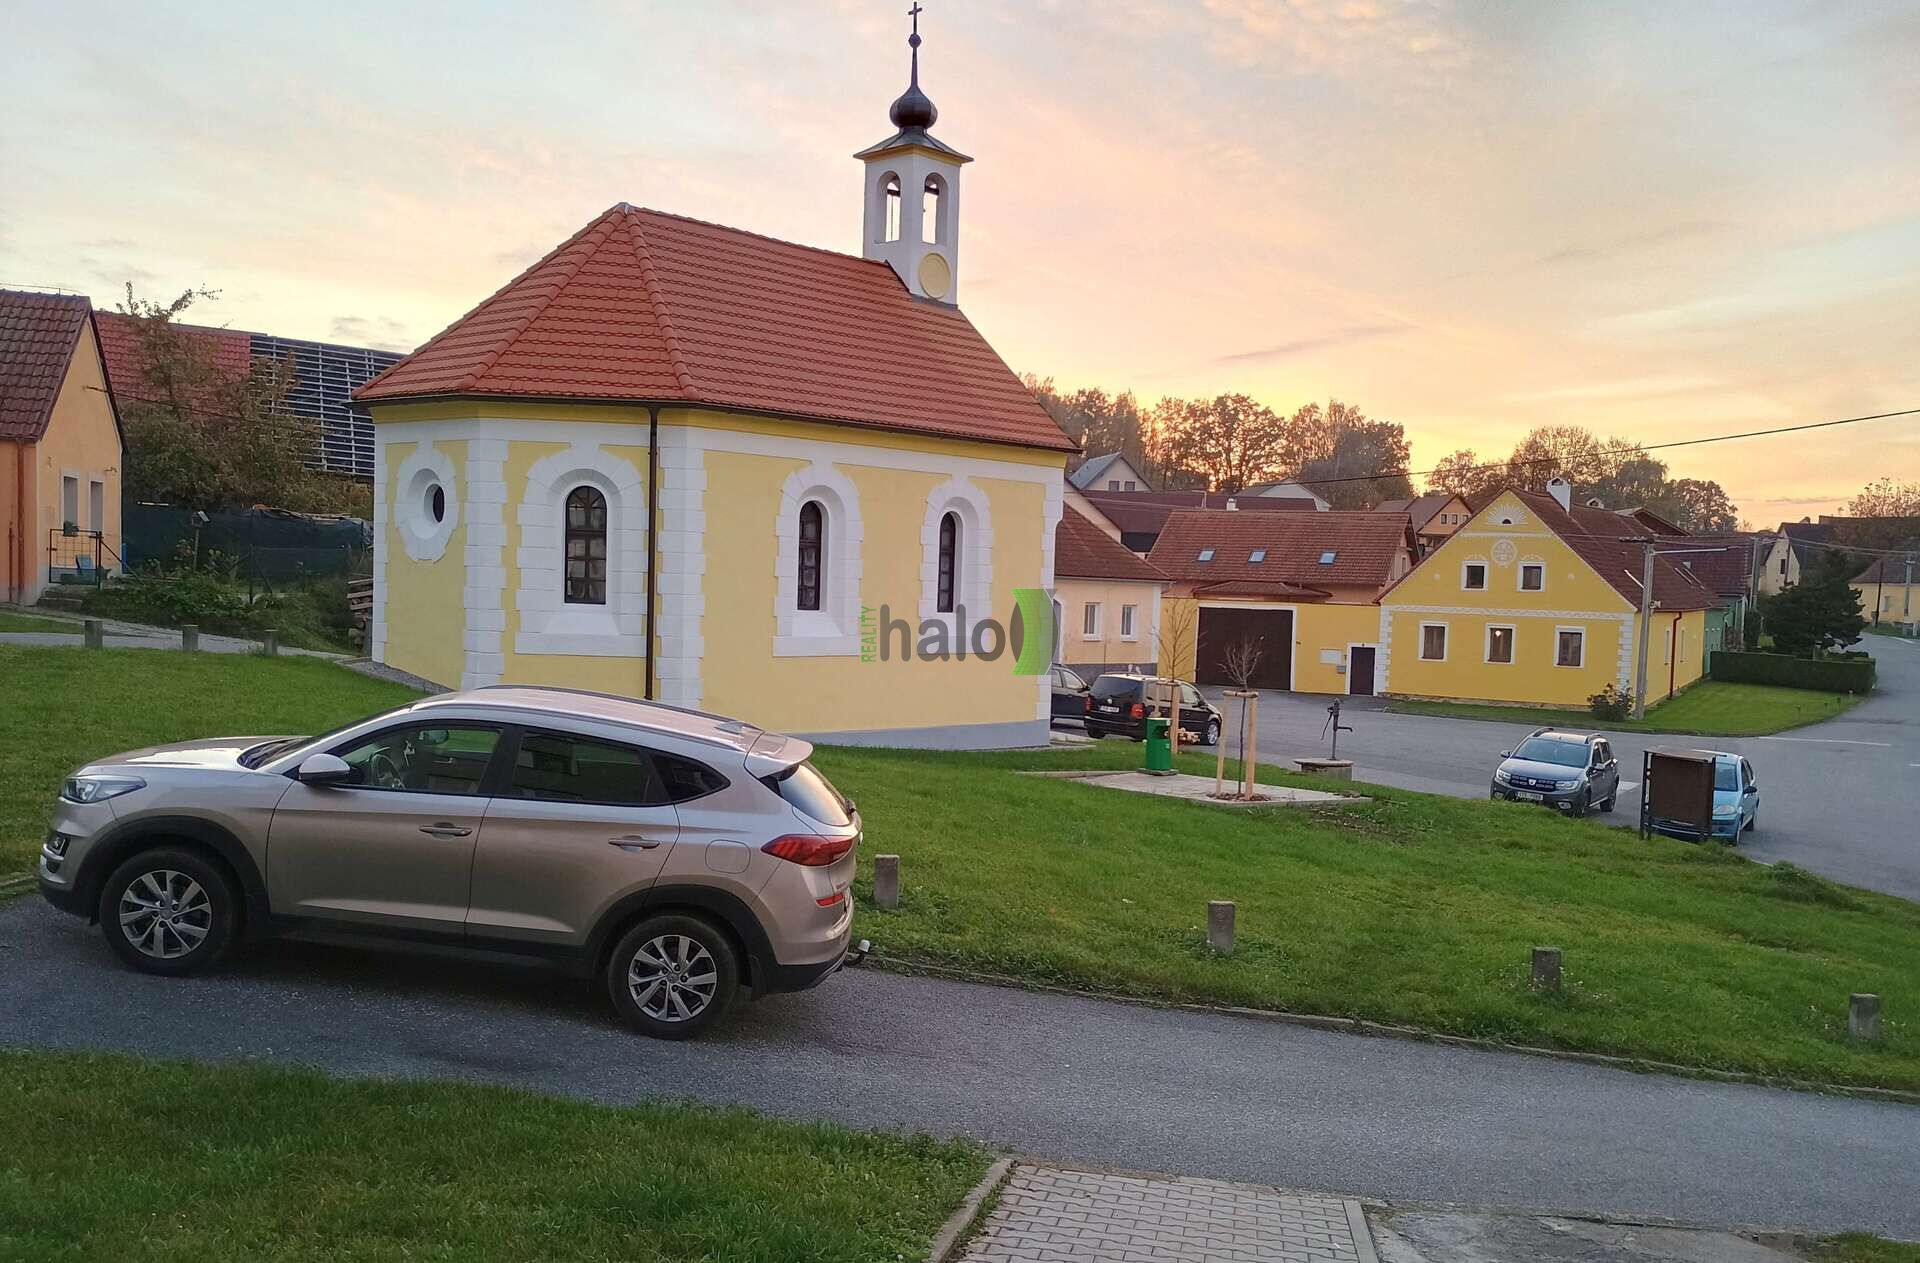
(15, 622)
(108, 1157)
(1712, 708)
(61, 707)
(1413, 909)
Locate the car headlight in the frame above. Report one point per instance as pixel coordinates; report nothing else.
(1727, 812)
(1503, 776)
(95, 789)
(1566, 784)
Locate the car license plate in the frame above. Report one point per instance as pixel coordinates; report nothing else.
(1527, 796)
(1111, 710)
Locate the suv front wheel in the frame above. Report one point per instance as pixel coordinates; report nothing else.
(672, 976)
(168, 911)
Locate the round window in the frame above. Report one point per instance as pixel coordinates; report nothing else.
(437, 502)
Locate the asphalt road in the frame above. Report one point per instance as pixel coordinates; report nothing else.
(1841, 798)
(1054, 1076)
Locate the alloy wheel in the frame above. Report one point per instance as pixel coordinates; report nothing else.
(672, 978)
(165, 914)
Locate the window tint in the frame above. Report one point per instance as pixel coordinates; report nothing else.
(812, 795)
(1726, 775)
(422, 759)
(684, 779)
(1111, 686)
(556, 769)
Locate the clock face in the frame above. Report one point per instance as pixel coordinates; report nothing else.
(1503, 552)
(936, 276)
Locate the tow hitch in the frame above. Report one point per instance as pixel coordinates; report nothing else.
(856, 954)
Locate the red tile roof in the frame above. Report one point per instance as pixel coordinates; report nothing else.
(1146, 512)
(1082, 550)
(231, 351)
(1421, 509)
(642, 306)
(1363, 545)
(38, 333)
(1599, 537)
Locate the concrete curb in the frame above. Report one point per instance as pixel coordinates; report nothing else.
(1362, 1232)
(1361, 1026)
(959, 1224)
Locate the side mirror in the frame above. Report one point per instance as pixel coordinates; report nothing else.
(1506, 754)
(323, 769)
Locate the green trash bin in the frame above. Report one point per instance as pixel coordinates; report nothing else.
(1159, 746)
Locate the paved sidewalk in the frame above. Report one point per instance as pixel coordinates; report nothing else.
(1048, 1214)
(123, 635)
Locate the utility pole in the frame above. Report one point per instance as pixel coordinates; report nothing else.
(1646, 631)
(1906, 614)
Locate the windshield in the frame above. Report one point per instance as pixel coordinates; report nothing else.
(261, 754)
(1726, 776)
(1111, 686)
(1564, 753)
(813, 795)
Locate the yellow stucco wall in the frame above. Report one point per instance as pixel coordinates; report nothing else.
(1675, 657)
(1573, 597)
(426, 614)
(744, 677)
(1109, 646)
(1893, 601)
(81, 440)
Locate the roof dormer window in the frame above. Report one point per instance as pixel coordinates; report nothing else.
(1206, 554)
(1326, 558)
(1257, 556)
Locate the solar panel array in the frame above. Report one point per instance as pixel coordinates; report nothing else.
(325, 377)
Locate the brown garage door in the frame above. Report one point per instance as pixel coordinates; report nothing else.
(1271, 630)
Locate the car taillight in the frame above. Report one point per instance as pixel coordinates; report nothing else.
(833, 900)
(1138, 711)
(805, 848)
(1086, 703)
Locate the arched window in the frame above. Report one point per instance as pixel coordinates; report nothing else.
(813, 552)
(949, 565)
(930, 210)
(586, 561)
(892, 194)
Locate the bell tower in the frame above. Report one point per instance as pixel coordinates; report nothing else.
(911, 193)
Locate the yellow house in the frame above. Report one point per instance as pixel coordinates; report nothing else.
(1521, 604)
(60, 477)
(1297, 589)
(1106, 600)
(1890, 590)
(685, 462)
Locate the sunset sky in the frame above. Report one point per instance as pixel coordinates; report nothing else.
(1659, 220)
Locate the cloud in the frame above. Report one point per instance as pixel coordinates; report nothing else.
(1626, 388)
(1320, 342)
(1597, 251)
(380, 332)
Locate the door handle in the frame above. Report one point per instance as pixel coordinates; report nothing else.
(633, 842)
(445, 829)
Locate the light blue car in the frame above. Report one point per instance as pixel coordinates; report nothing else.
(1736, 802)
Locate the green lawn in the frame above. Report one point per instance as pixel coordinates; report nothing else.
(1409, 909)
(61, 707)
(1711, 708)
(109, 1157)
(13, 621)
(1860, 1248)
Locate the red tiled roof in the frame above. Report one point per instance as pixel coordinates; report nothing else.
(1082, 550)
(1724, 563)
(1363, 545)
(1620, 563)
(38, 333)
(1146, 512)
(643, 306)
(1420, 509)
(231, 351)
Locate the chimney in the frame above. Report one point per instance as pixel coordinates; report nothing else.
(1232, 504)
(1562, 490)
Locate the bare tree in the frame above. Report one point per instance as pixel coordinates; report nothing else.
(1176, 642)
(1241, 662)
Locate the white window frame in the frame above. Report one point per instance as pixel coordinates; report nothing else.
(428, 467)
(1520, 576)
(1581, 632)
(1513, 643)
(1129, 622)
(1486, 574)
(973, 575)
(1446, 639)
(1090, 620)
(548, 624)
(833, 630)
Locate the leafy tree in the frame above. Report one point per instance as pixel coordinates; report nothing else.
(1232, 441)
(1700, 506)
(1886, 498)
(1465, 475)
(1351, 445)
(209, 439)
(1817, 615)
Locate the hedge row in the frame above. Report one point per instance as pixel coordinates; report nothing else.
(1832, 675)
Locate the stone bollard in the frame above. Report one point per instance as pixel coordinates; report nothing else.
(1863, 1016)
(270, 641)
(190, 639)
(96, 634)
(1546, 968)
(1220, 925)
(886, 881)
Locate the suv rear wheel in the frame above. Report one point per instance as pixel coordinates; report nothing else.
(673, 975)
(168, 911)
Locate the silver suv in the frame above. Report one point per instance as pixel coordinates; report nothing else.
(679, 856)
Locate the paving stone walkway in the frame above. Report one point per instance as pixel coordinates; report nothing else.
(1053, 1215)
